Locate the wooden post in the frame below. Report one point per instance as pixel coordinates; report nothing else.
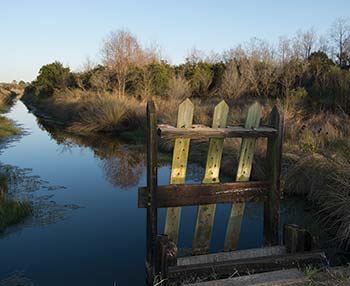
(274, 157)
(178, 168)
(152, 186)
(206, 213)
(166, 255)
(243, 174)
(296, 239)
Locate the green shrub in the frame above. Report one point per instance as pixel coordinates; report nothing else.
(52, 77)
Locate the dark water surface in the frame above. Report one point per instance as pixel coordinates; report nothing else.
(88, 230)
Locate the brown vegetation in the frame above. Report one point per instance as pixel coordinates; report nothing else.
(301, 74)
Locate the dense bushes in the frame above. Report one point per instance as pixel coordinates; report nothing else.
(326, 85)
(52, 77)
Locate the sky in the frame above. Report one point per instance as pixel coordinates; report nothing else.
(38, 32)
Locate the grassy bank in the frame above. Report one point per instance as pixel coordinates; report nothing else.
(316, 147)
(7, 128)
(316, 158)
(11, 211)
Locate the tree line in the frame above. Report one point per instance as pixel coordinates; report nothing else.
(307, 67)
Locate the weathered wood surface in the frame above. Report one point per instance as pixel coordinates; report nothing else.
(179, 167)
(296, 238)
(273, 156)
(202, 194)
(274, 278)
(161, 249)
(152, 185)
(246, 266)
(206, 213)
(243, 174)
(166, 254)
(233, 255)
(201, 132)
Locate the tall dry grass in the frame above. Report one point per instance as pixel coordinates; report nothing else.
(324, 178)
(316, 155)
(99, 113)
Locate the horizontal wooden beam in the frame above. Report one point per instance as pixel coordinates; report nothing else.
(204, 132)
(246, 266)
(202, 194)
(232, 255)
(290, 277)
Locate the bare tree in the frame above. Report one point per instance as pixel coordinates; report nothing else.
(120, 51)
(261, 67)
(88, 65)
(340, 36)
(233, 83)
(323, 44)
(195, 56)
(284, 49)
(305, 42)
(260, 50)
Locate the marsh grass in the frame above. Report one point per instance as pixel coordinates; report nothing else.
(13, 212)
(16, 279)
(7, 128)
(324, 178)
(100, 113)
(7, 97)
(316, 154)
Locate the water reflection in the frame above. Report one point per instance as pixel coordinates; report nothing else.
(24, 186)
(122, 164)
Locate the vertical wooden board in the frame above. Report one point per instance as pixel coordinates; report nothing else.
(274, 157)
(243, 174)
(206, 213)
(152, 185)
(179, 166)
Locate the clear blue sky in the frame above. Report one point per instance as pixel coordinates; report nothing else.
(38, 32)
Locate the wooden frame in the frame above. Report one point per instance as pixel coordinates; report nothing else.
(202, 194)
(161, 249)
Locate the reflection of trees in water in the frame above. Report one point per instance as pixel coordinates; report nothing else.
(124, 169)
(122, 163)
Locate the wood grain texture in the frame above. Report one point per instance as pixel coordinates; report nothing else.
(202, 194)
(232, 255)
(206, 213)
(179, 167)
(243, 174)
(248, 266)
(151, 229)
(204, 132)
(292, 277)
(274, 157)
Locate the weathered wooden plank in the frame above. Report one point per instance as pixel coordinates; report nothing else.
(202, 194)
(225, 269)
(206, 213)
(274, 278)
(232, 255)
(179, 167)
(201, 132)
(274, 156)
(296, 238)
(152, 186)
(243, 174)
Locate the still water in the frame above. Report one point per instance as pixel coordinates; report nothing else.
(86, 228)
